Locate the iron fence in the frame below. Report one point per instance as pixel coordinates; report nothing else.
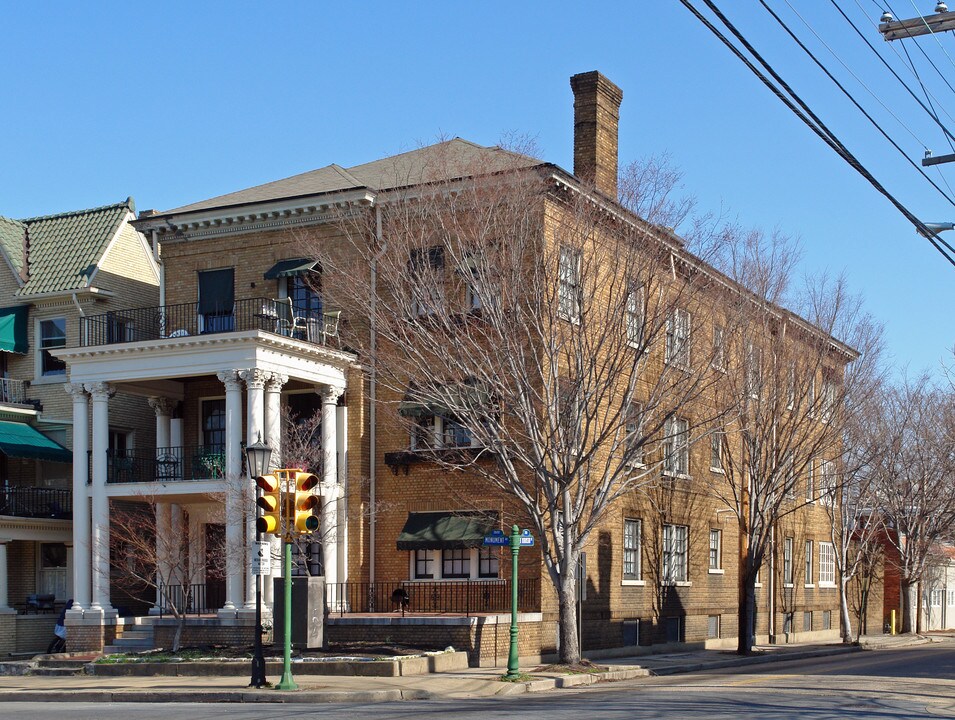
(169, 464)
(443, 597)
(35, 502)
(186, 319)
(197, 599)
(13, 391)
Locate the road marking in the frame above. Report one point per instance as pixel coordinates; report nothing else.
(760, 678)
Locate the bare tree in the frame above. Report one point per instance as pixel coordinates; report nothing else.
(790, 374)
(531, 335)
(915, 479)
(142, 558)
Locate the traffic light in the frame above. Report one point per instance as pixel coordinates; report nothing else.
(270, 521)
(305, 502)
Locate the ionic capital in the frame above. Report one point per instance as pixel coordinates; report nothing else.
(229, 379)
(100, 390)
(254, 378)
(275, 382)
(77, 391)
(162, 405)
(330, 393)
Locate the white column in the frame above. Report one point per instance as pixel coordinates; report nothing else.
(82, 566)
(101, 393)
(163, 408)
(331, 488)
(69, 565)
(273, 436)
(197, 555)
(175, 426)
(177, 544)
(163, 545)
(4, 582)
(234, 506)
(342, 443)
(273, 416)
(255, 426)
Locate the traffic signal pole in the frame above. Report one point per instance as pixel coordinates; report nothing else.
(287, 683)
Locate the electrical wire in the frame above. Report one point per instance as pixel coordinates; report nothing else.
(805, 114)
(821, 66)
(937, 42)
(902, 82)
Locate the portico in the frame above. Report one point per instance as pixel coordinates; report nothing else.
(195, 486)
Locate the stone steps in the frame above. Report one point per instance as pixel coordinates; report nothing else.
(137, 638)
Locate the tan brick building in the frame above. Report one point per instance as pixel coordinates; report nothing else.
(244, 328)
(56, 270)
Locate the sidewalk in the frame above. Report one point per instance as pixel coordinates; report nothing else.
(460, 684)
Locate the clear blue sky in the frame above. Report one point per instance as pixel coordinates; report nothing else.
(176, 102)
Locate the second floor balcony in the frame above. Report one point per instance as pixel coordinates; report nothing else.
(168, 464)
(36, 502)
(14, 391)
(278, 316)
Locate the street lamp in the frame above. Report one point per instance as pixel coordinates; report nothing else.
(258, 455)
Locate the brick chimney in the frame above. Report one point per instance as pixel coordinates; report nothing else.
(596, 116)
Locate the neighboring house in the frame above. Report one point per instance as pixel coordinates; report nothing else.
(244, 330)
(938, 590)
(55, 270)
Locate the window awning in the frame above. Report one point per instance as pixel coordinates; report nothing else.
(13, 329)
(24, 441)
(287, 268)
(446, 530)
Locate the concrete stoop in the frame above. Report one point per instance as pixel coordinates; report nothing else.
(139, 637)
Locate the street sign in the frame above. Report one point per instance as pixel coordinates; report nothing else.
(526, 540)
(261, 558)
(493, 539)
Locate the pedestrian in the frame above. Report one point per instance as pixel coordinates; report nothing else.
(58, 644)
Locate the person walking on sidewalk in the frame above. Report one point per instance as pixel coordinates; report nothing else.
(58, 644)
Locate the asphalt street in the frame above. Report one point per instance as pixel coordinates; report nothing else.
(916, 682)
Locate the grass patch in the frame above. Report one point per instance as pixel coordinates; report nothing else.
(584, 667)
(520, 677)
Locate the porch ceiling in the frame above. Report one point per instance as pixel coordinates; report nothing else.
(195, 356)
(183, 492)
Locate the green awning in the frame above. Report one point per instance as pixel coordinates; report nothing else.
(13, 329)
(445, 530)
(24, 441)
(286, 268)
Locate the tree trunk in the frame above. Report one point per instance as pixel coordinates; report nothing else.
(177, 636)
(747, 604)
(909, 606)
(567, 598)
(844, 609)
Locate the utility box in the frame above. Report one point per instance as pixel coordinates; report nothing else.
(308, 612)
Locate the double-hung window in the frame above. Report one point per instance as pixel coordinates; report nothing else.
(808, 562)
(456, 563)
(788, 561)
(717, 443)
(754, 370)
(716, 549)
(569, 288)
(827, 564)
(827, 493)
(52, 336)
(676, 459)
(634, 315)
(811, 480)
(677, 351)
(633, 438)
(425, 268)
(631, 549)
(719, 348)
(674, 554)
(488, 562)
(423, 564)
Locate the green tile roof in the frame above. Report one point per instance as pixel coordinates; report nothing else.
(64, 249)
(12, 233)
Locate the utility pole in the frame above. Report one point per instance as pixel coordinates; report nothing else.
(941, 21)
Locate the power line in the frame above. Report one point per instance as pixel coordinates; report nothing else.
(851, 98)
(810, 119)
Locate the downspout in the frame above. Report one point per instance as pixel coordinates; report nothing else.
(79, 309)
(373, 396)
(162, 269)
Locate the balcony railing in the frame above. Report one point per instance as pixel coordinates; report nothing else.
(171, 464)
(35, 502)
(464, 597)
(175, 321)
(13, 391)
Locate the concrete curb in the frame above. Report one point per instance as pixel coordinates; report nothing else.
(213, 696)
(755, 660)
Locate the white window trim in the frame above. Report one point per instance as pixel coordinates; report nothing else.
(634, 290)
(671, 438)
(38, 377)
(633, 583)
(576, 286)
(832, 561)
(715, 571)
(639, 549)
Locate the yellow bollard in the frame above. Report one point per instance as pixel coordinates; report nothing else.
(892, 622)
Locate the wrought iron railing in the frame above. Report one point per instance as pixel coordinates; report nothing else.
(184, 320)
(13, 391)
(464, 597)
(198, 599)
(170, 464)
(35, 502)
